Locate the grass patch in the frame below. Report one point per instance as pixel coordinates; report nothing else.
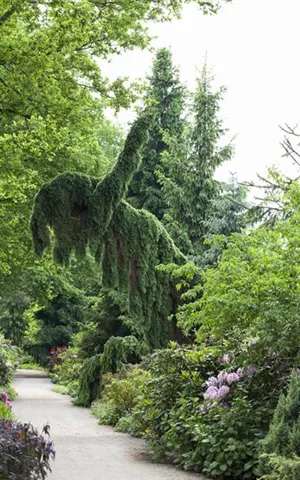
(29, 366)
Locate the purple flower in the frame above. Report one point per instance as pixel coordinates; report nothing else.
(212, 382)
(232, 378)
(211, 393)
(4, 396)
(5, 399)
(222, 377)
(226, 358)
(249, 371)
(223, 392)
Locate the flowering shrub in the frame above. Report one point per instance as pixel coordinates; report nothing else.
(217, 388)
(6, 370)
(67, 370)
(24, 454)
(208, 413)
(55, 357)
(5, 399)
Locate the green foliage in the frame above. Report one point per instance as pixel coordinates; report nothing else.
(226, 215)
(61, 389)
(11, 392)
(119, 351)
(89, 381)
(52, 99)
(119, 397)
(12, 322)
(66, 372)
(216, 436)
(252, 293)
(223, 441)
(166, 97)
(10, 352)
(129, 243)
(177, 373)
(6, 370)
(281, 468)
(30, 366)
(58, 321)
(283, 439)
(81, 376)
(5, 412)
(102, 321)
(189, 187)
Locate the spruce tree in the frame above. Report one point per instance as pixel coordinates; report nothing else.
(166, 97)
(190, 187)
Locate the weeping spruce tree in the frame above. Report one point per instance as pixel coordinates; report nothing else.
(166, 97)
(85, 212)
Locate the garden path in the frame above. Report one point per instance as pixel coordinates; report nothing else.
(85, 450)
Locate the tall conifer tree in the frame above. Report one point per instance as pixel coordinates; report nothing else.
(190, 188)
(166, 97)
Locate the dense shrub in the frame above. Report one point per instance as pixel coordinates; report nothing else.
(119, 397)
(55, 358)
(280, 457)
(66, 370)
(117, 352)
(206, 413)
(24, 454)
(6, 370)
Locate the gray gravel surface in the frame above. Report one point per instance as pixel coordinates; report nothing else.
(84, 450)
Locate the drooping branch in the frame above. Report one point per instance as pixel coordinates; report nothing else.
(128, 243)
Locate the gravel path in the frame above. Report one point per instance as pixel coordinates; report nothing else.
(84, 450)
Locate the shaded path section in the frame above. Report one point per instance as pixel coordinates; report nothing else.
(84, 450)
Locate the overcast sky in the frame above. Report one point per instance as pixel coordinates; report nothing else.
(252, 48)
